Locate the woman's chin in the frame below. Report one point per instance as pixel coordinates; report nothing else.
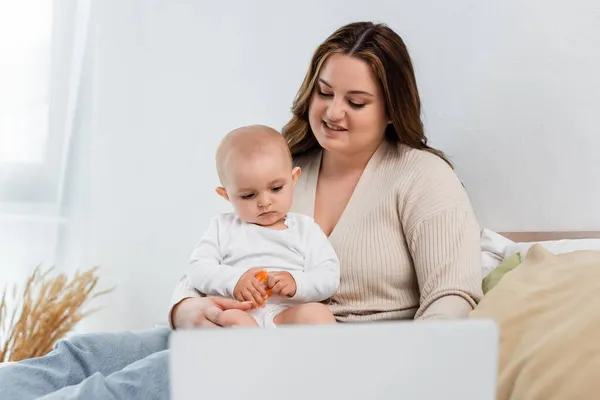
(332, 142)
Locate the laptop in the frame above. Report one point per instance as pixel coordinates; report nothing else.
(388, 360)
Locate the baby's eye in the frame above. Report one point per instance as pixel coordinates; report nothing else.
(277, 188)
(247, 196)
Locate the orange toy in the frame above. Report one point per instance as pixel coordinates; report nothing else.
(262, 277)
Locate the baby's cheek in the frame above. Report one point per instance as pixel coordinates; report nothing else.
(244, 210)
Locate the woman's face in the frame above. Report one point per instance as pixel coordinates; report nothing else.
(347, 112)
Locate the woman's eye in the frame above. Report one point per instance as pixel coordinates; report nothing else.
(352, 103)
(277, 188)
(356, 105)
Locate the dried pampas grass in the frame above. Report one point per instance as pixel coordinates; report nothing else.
(45, 311)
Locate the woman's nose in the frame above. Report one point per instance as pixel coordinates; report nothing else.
(335, 111)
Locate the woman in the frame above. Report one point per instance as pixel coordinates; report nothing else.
(392, 207)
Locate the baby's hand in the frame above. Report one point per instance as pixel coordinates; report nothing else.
(282, 283)
(263, 277)
(248, 288)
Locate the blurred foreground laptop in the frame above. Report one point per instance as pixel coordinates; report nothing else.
(392, 360)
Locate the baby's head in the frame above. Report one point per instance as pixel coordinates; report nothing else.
(256, 173)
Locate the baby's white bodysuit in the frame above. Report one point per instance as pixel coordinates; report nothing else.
(231, 246)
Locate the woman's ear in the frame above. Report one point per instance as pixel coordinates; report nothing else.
(296, 174)
(222, 192)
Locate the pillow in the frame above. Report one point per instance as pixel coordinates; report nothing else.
(493, 246)
(547, 312)
(494, 276)
(553, 246)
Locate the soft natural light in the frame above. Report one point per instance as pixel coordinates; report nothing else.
(25, 44)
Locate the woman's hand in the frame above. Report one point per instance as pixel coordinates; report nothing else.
(206, 312)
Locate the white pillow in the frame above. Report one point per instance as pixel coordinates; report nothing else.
(553, 246)
(493, 246)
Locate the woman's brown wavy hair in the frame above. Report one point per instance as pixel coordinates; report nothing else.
(386, 53)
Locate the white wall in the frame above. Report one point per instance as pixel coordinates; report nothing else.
(509, 91)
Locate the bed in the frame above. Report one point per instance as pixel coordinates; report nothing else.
(546, 301)
(550, 236)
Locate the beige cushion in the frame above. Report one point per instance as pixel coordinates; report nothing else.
(548, 310)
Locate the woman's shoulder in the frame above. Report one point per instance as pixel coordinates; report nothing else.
(422, 166)
(426, 178)
(419, 157)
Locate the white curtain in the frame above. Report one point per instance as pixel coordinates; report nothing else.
(42, 48)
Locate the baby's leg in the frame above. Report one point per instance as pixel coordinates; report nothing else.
(237, 318)
(309, 313)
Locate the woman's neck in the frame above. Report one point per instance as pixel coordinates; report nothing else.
(335, 163)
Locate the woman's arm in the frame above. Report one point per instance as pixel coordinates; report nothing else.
(442, 234)
(447, 307)
(446, 254)
(182, 291)
(190, 310)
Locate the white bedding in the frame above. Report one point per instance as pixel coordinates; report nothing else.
(495, 248)
(553, 246)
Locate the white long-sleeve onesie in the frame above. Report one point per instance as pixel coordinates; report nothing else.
(230, 247)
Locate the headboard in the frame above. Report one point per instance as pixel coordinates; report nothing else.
(556, 235)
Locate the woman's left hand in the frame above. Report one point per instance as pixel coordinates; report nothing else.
(206, 312)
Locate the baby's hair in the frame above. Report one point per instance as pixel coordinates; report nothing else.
(248, 141)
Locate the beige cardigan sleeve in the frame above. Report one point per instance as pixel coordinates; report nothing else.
(443, 237)
(182, 291)
(446, 255)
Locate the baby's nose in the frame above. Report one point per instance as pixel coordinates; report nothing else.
(264, 201)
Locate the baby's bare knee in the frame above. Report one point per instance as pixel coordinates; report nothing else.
(313, 313)
(316, 309)
(236, 318)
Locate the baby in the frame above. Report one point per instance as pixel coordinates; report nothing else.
(262, 237)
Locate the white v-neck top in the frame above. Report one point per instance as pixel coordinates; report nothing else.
(407, 242)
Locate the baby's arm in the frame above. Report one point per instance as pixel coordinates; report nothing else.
(321, 276)
(206, 272)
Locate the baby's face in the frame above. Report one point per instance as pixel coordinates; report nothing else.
(261, 188)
